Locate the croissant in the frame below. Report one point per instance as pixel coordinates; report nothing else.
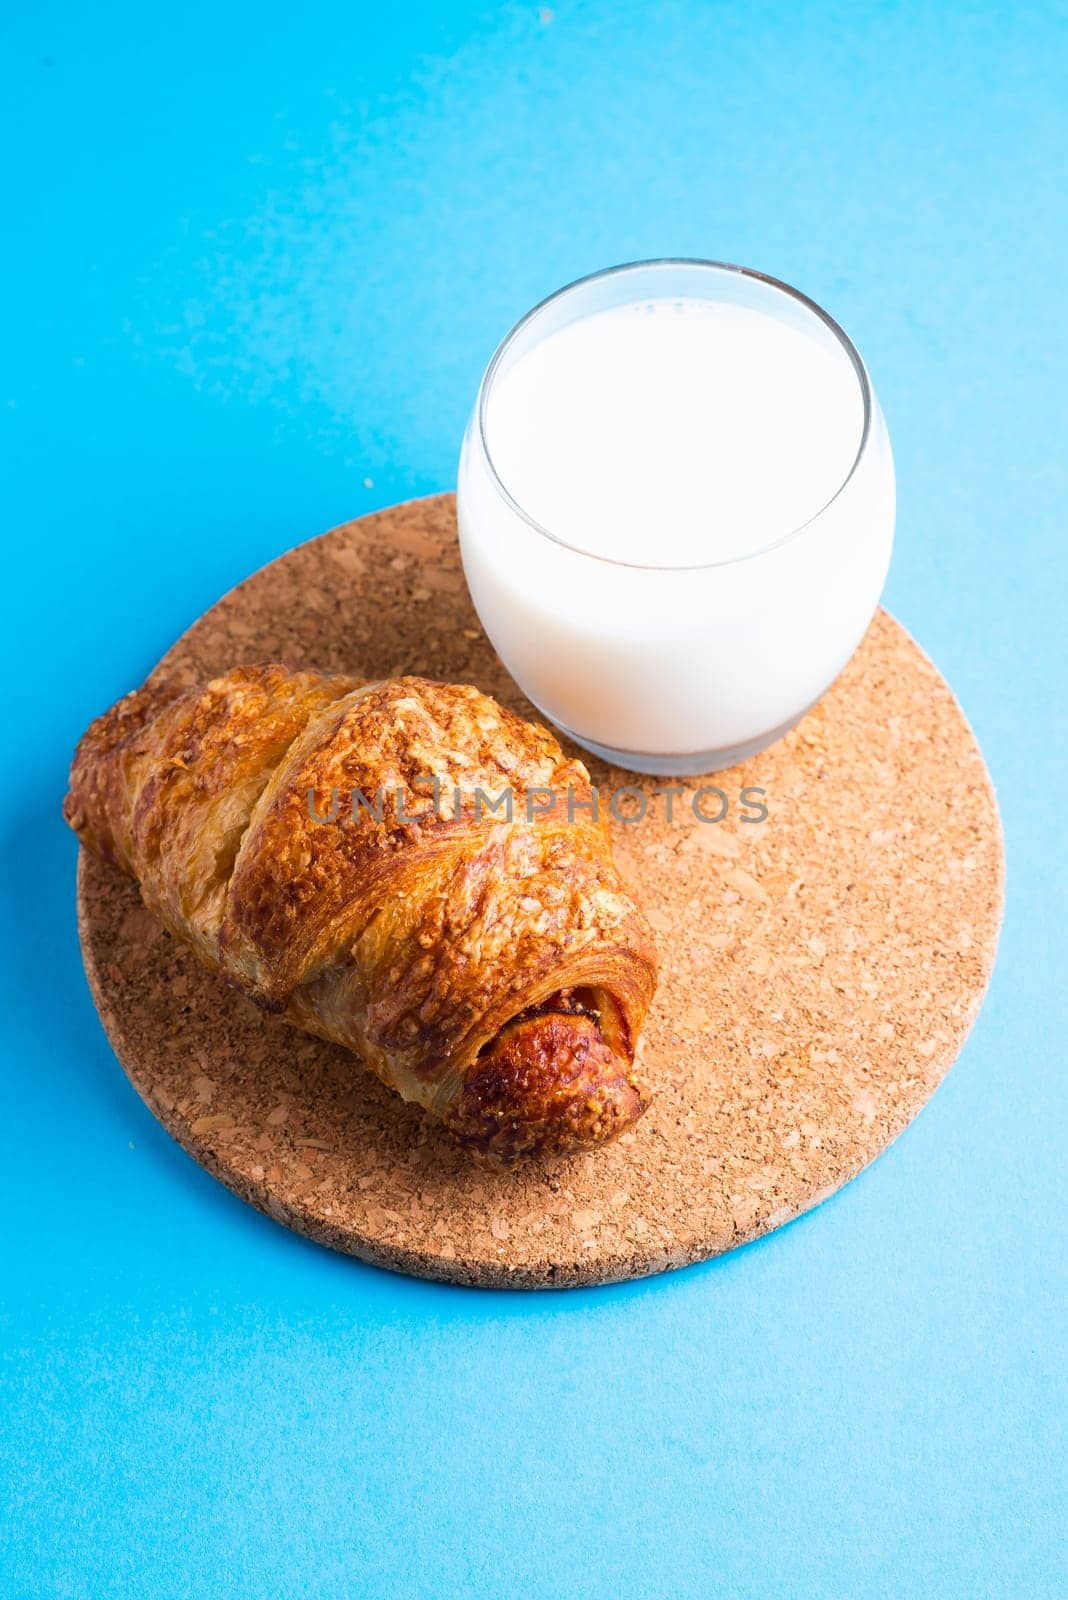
(404, 868)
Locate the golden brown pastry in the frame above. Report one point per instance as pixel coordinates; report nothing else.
(288, 826)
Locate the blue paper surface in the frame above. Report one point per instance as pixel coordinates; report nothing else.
(255, 259)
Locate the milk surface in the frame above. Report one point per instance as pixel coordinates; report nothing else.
(674, 432)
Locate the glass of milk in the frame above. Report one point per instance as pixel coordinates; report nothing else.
(676, 510)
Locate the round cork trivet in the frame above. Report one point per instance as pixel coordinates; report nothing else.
(819, 970)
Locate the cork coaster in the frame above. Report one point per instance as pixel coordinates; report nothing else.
(819, 969)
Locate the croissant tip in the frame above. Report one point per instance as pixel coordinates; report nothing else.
(548, 1086)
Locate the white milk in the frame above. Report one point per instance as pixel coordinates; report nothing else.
(674, 432)
(666, 529)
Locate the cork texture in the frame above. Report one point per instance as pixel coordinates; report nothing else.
(820, 969)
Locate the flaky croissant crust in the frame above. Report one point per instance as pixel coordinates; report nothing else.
(498, 972)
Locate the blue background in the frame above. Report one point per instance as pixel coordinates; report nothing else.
(254, 264)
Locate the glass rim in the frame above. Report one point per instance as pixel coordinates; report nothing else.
(654, 262)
